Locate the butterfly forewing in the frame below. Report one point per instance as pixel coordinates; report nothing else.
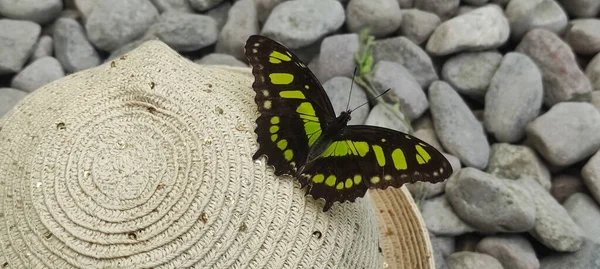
(293, 106)
(372, 157)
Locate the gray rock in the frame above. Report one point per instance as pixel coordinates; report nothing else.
(472, 260)
(514, 98)
(592, 71)
(525, 15)
(184, 31)
(427, 189)
(445, 9)
(424, 122)
(500, 2)
(438, 249)
(306, 54)
(43, 48)
(490, 204)
(125, 49)
(72, 49)
(203, 5)
(69, 4)
(441, 219)
(242, 22)
(442, 244)
(512, 251)
(515, 162)
(383, 117)
(173, 5)
(552, 167)
(9, 98)
(454, 162)
(457, 128)
(17, 40)
(563, 80)
(428, 135)
(37, 74)
(581, 8)
(591, 175)
(67, 13)
(220, 14)
(470, 73)
(565, 185)
(596, 99)
(220, 59)
(476, 2)
(440, 263)
(337, 56)
(406, 3)
(338, 91)
(408, 92)
(418, 25)
(301, 23)
(587, 257)
(403, 51)
(467, 242)
(315, 67)
(85, 7)
(465, 9)
(569, 132)
(487, 29)
(114, 23)
(39, 11)
(382, 17)
(586, 213)
(583, 36)
(264, 8)
(553, 226)
(479, 115)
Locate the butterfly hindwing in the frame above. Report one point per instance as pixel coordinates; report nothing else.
(292, 103)
(334, 180)
(373, 157)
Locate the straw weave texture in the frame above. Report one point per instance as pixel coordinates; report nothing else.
(404, 237)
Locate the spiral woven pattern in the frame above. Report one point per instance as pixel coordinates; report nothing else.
(145, 162)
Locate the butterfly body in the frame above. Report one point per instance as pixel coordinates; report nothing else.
(332, 131)
(300, 135)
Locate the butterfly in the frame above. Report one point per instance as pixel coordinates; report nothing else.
(301, 136)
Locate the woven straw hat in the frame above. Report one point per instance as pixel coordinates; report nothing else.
(145, 162)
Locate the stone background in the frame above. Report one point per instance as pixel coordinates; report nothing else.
(509, 89)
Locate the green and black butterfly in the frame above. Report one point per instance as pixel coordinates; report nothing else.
(301, 136)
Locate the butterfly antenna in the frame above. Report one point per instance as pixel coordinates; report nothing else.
(350, 95)
(371, 99)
